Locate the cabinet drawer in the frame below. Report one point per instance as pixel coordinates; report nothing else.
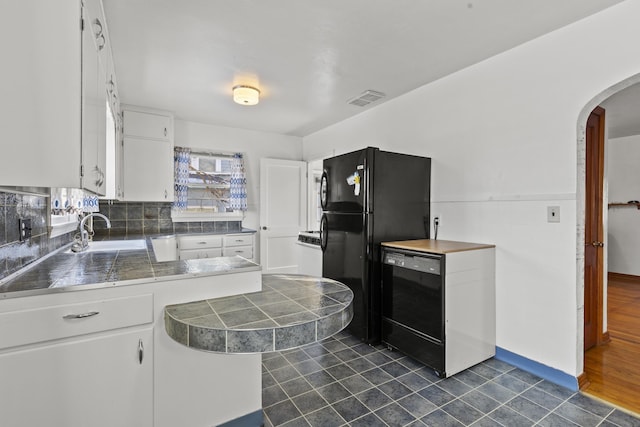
(200, 253)
(243, 251)
(146, 125)
(238, 240)
(63, 321)
(199, 242)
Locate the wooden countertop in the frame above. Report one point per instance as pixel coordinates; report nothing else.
(436, 246)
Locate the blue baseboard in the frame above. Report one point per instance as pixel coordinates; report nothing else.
(548, 373)
(254, 419)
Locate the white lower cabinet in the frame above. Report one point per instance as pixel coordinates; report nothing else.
(104, 380)
(200, 253)
(238, 244)
(243, 251)
(76, 359)
(194, 388)
(199, 246)
(102, 358)
(215, 245)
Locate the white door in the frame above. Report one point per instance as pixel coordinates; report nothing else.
(283, 213)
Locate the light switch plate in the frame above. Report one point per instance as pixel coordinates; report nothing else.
(553, 213)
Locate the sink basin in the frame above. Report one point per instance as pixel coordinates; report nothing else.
(115, 245)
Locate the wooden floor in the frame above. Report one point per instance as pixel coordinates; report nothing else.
(613, 369)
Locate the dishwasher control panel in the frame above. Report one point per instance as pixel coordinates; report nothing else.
(413, 262)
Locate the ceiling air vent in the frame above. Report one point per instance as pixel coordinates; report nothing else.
(366, 98)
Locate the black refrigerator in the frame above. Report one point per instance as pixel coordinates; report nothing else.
(368, 197)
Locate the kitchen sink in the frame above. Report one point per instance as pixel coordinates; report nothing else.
(115, 245)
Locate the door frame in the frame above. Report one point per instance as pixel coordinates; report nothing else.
(581, 208)
(594, 211)
(594, 218)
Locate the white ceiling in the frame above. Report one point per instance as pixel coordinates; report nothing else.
(623, 112)
(308, 57)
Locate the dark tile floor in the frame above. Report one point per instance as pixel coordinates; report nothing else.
(342, 382)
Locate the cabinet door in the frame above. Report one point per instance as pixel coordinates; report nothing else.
(238, 240)
(97, 381)
(119, 162)
(93, 107)
(40, 41)
(147, 125)
(199, 253)
(200, 241)
(243, 251)
(148, 170)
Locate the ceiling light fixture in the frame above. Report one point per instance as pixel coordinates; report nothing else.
(246, 95)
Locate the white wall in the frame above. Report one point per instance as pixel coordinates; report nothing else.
(255, 145)
(624, 222)
(504, 142)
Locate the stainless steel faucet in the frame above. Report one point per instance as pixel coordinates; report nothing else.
(84, 234)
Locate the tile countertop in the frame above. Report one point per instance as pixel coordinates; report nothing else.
(63, 271)
(436, 246)
(290, 311)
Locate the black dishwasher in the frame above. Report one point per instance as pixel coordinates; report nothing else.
(413, 305)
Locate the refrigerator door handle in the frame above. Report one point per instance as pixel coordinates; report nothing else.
(367, 226)
(324, 232)
(324, 189)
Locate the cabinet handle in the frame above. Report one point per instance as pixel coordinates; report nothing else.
(202, 243)
(166, 194)
(140, 351)
(81, 315)
(101, 42)
(97, 30)
(100, 39)
(165, 131)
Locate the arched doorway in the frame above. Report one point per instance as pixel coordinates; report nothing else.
(592, 267)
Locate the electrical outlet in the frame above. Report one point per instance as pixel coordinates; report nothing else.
(553, 213)
(436, 226)
(24, 228)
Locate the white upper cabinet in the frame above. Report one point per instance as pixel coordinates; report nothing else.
(54, 94)
(148, 155)
(148, 125)
(40, 41)
(94, 98)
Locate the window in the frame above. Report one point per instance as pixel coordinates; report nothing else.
(208, 185)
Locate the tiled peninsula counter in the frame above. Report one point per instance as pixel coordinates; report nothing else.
(290, 311)
(79, 330)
